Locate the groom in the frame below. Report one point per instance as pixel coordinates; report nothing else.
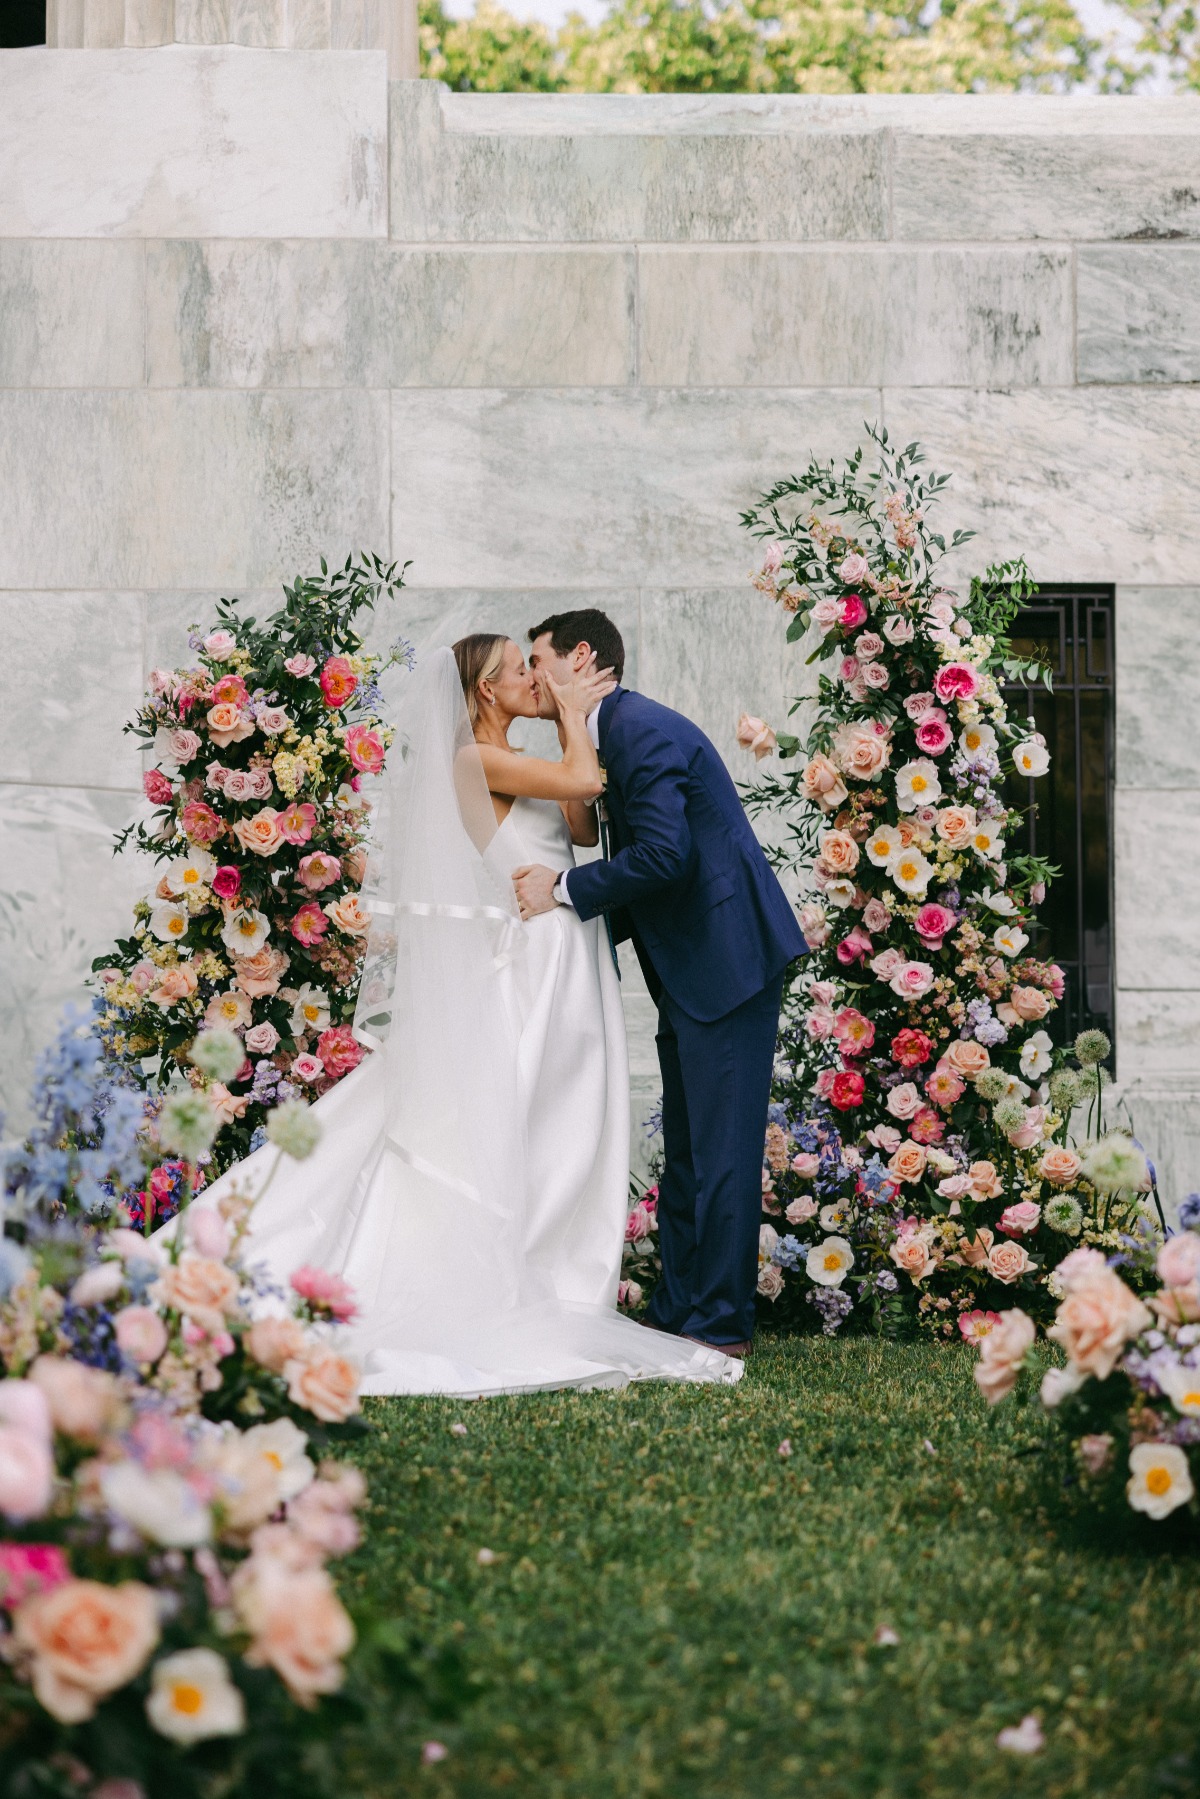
(687, 880)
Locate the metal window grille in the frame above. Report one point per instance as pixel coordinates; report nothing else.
(22, 22)
(1068, 812)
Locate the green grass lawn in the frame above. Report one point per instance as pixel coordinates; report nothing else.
(676, 1610)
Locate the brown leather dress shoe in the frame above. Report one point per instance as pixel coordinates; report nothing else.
(739, 1350)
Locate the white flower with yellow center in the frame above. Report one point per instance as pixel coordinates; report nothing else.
(768, 1242)
(840, 893)
(310, 1014)
(193, 1697)
(911, 872)
(168, 921)
(830, 1262)
(1003, 903)
(836, 1217)
(1182, 1387)
(1037, 1056)
(1010, 940)
(883, 844)
(1159, 1479)
(1031, 757)
(187, 873)
(226, 1011)
(917, 784)
(987, 842)
(245, 931)
(977, 740)
(284, 1447)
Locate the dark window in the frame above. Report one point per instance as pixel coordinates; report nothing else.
(1071, 629)
(22, 22)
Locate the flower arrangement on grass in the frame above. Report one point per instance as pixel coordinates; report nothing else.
(167, 1489)
(916, 1031)
(255, 925)
(1128, 1397)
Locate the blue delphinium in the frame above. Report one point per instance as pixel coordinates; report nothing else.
(789, 1252)
(1189, 1212)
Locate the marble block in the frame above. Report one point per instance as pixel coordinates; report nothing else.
(71, 314)
(1138, 312)
(170, 613)
(177, 489)
(1156, 842)
(78, 662)
(597, 488)
(186, 141)
(1086, 184)
(714, 653)
(571, 186)
(1088, 484)
(1157, 629)
(1158, 1035)
(839, 317)
(331, 314)
(1163, 1113)
(64, 898)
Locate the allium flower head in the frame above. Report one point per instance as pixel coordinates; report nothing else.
(1064, 1214)
(1092, 1046)
(1115, 1163)
(218, 1054)
(187, 1125)
(293, 1129)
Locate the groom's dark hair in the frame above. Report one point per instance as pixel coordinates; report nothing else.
(590, 626)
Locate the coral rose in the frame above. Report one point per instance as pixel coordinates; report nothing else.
(83, 1641)
(911, 1254)
(862, 751)
(260, 834)
(751, 733)
(274, 1342)
(1001, 1352)
(955, 826)
(1096, 1320)
(227, 724)
(908, 1162)
(174, 984)
(324, 1383)
(968, 1058)
(1029, 1003)
(985, 1181)
(1179, 1260)
(259, 975)
(1007, 1262)
(1060, 1167)
(973, 1251)
(200, 822)
(203, 1289)
(339, 1050)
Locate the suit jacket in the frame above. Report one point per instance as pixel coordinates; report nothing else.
(688, 879)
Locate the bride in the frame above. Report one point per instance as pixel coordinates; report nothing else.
(471, 1177)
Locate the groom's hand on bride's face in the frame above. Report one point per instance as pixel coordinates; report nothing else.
(535, 889)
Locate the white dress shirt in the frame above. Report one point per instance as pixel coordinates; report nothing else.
(561, 893)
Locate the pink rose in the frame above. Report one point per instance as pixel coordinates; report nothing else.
(144, 975)
(297, 821)
(934, 736)
(26, 1459)
(875, 677)
(1002, 1350)
(904, 1101)
(1028, 1134)
(885, 1137)
(299, 666)
(772, 560)
(1179, 1260)
(309, 924)
(814, 924)
(911, 1254)
(918, 704)
(141, 1334)
(638, 1225)
(27, 1568)
(220, 645)
(852, 612)
(823, 784)
(178, 745)
(876, 916)
(307, 1068)
(227, 881)
(324, 1383)
(886, 963)
(239, 785)
(854, 568)
(272, 721)
(801, 1210)
(755, 734)
(956, 681)
(1029, 1003)
(805, 1164)
(849, 669)
(273, 1342)
(932, 923)
(365, 749)
(1021, 1219)
(825, 615)
(207, 1232)
(156, 787)
(898, 630)
(907, 1161)
(325, 1292)
(855, 947)
(318, 870)
(868, 646)
(1007, 1262)
(1097, 1318)
(339, 1050)
(912, 981)
(262, 1039)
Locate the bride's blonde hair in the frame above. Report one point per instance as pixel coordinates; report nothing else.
(479, 658)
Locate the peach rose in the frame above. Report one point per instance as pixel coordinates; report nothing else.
(140, 1333)
(1001, 1353)
(203, 1289)
(1059, 1166)
(955, 825)
(347, 914)
(83, 1641)
(1029, 1003)
(324, 1383)
(259, 975)
(174, 984)
(226, 1105)
(273, 1342)
(227, 724)
(84, 1402)
(299, 1626)
(985, 1181)
(908, 1162)
(861, 751)
(968, 1058)
(974, 1252)
(1008, 1261)
(261, 834)
(1177, 1305)
(823, 784)
(755, 734)
(910, 1252)
(839, 852)
(1096, 1320)
(1179, 1259)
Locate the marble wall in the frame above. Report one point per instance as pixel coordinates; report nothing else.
(260, 303)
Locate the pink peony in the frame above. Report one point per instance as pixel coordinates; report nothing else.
(227, 881)
(309, 924)
(338, 682)
(297, 821)
(156, 787)
(927, 1127)
(339, 1050)
(365, 749)
(27, 1568)
(307, 1068)
(854, 1032)
(299, 666)
(325, 1292)
(852, 612)
(318, 871)
(1019, 1220)
(944, 1087)
(846, 1090)
(934, 736)
(200, 822)
(956, 681)
(932, 923)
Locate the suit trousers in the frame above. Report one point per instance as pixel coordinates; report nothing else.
(716, 1090)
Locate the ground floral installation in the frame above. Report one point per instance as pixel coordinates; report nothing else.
(917, 1163)
(168, 1619)
(262, 746)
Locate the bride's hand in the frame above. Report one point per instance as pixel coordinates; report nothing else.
(584, 691)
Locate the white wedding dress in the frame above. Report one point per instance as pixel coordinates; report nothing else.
(471, 1178)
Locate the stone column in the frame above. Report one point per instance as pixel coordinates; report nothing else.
(389, 25)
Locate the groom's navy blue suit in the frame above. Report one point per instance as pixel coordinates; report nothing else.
(714, 932)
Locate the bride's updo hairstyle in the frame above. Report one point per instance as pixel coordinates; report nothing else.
(479, 658)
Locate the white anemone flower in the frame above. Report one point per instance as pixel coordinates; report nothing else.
(835, 1217)
(840, 893)
(158, 1503)
(1003, 903)
(883, 844)
(1182, 1387)
(245, 931)
(977, 740)
(1037, 1056)
(1159, 1479)
(1010, 940)
(310, 1014)
(917, 784)
(1031, 757)
(192, 1697)
(184, 874)
(912, 872)
(169, 921)
(987, 842)
(830, 1262)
